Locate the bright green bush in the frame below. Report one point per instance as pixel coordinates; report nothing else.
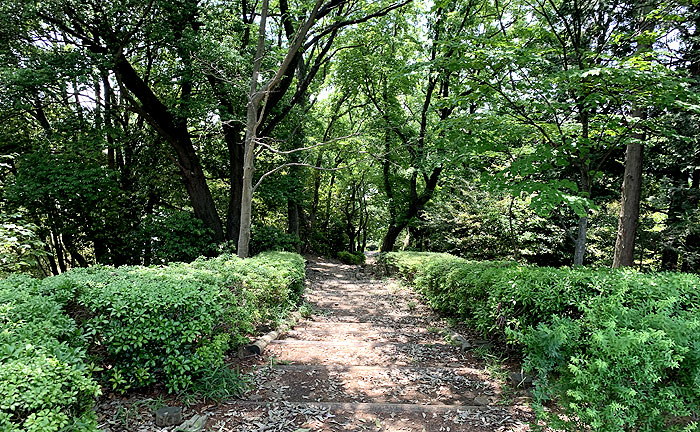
(615, 349)
(143, 325)
(168, 324)
(45, 382)
(352, 258)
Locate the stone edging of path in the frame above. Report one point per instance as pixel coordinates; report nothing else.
(257, 347)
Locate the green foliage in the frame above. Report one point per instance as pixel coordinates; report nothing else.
(615, 349)
(219, 383)
(170, 324)
(45, 382)
(173, 236)
(270, 238)
(353, 258)
(143, 325)
(20, 246)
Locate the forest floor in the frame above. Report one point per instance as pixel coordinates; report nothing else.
(371, 357)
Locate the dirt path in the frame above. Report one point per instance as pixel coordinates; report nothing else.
(370, 358)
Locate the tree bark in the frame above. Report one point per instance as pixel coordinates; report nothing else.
(176, 134)
(236, 151)
(257, 101)
(629, 203)
(254, 99)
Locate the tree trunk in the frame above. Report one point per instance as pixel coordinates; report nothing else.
(392, 234)
(629, 204)
(176, 133)
(580, 248)
(632, 181)
(254, 99)
(248, 167)
(236, 154)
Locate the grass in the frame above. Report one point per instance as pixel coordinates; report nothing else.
(217, 384)
(495, 367)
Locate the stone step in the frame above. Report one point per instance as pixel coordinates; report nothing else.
(377, 334)
(355, 326)
(244, 416)
(365, 353)
(389, 319)
(373, 384)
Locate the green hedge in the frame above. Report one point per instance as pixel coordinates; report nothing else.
(615, 349)
(141, 325)
(45, 382)
(169, 324)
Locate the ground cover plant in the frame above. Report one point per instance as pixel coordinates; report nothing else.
(168, 325)
(614, 349)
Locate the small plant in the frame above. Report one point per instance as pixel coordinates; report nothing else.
(411, 305)
(305, 310)
(219, 383)
(127, 415)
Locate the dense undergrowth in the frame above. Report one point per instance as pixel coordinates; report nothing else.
(138, 326)
(614, 349)
(352, 258)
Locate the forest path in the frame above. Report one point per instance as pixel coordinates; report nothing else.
(372, 357)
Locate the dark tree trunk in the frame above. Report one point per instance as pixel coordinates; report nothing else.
(235, 152)
(629, 203)
(632, 181)
(392, 234)
(293, 220)
(175, 131)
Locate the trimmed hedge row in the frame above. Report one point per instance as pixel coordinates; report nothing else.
(45, 382)
(615, 349)
(142, 325)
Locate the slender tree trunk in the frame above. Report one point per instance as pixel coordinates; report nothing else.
(580, 245)
(254, 99)
(629, 204)
(580, 248)
(233, 217)
(255, 108)
(632, 182)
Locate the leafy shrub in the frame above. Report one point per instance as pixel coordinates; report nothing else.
(270, 238)
(353, 258)
(170, 324)
(173, 236)
(45, 382)
(615, 349)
